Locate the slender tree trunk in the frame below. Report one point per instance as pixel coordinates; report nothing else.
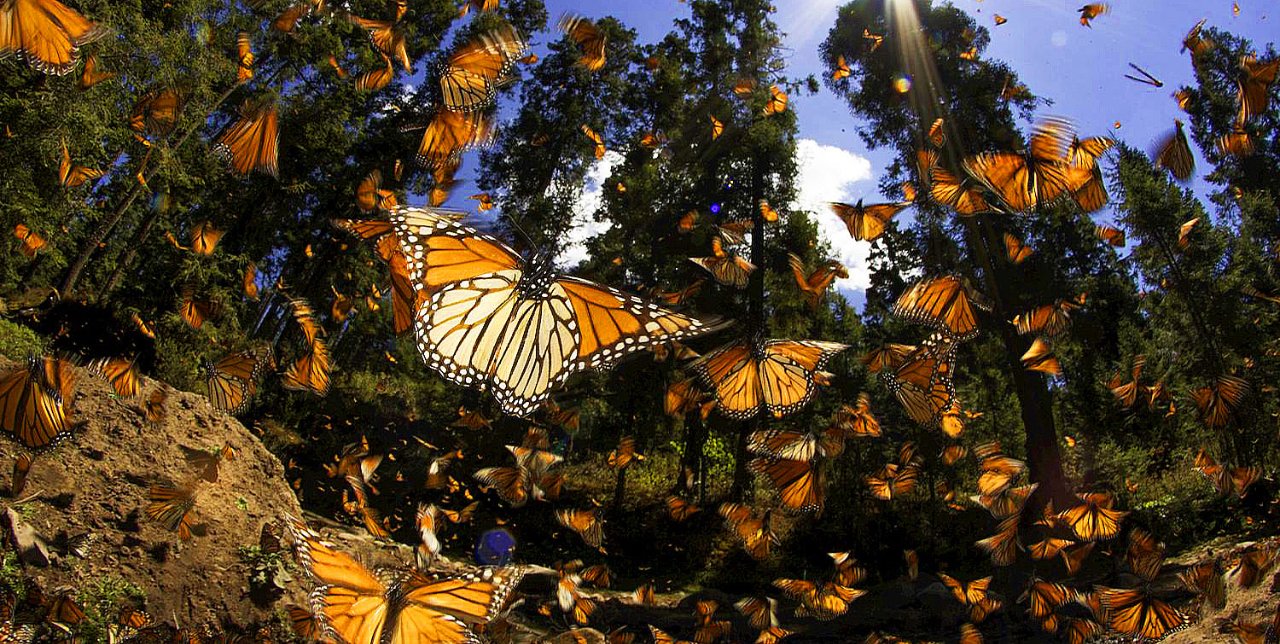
(757, 327)
(691, 460)
(619, 490)
(130, 253)
(1036, 405)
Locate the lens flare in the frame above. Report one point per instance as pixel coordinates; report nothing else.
(902, 83)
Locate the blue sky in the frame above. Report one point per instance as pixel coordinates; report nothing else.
(1080, 69)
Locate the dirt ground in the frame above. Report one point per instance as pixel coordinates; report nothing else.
(97, 482)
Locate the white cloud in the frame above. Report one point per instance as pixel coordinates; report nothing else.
(585, 224)
(827, 173)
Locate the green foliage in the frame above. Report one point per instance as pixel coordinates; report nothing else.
(11, 573)
(102, 598)
(268, 570)
(18, 342)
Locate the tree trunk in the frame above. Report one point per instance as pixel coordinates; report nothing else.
(691, 460)
(756, 325)
(130, 253)
(619, 490)
(1043, 457)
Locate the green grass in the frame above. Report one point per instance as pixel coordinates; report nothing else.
(17, 341)
(102, 599)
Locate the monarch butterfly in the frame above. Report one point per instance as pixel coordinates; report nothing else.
(74, 176)
(1237, 142)
(586, 523)
(1047, 548)
(887, 356)
(1133, 612)
(1144, 77)
(153, 408)
(410, 607)
(596, 140)
(1226, 479)
(1000, 20)
(1051, 319)
(377, 78)
(777, 103)
(173, 507)
(46, 33)
(310, 372)
(873, 40)
(767, 213)
(1091, 11)
(21, 468)
(717, 128)
(1173, 153)
(122, 373)
(1254, 85)
(1252, 566)
(1093, 519)
(588, 36)
(744, 86)
(969, 54)
(1206, 579)
(625, 454)
(761, 612)
(823, 600)
(814, 285)
(947, 303)
(250, 281)
(287, 21)
(89, 75)
(894, 480)
(1085, 153)
(1007, 502)
(997, 472)
(1040, 357)
(387, 37)
(923, 384)
(206, 462)
(1016, 251)
(194, 311)
(232, 380)
(963, 196)
(866, 223)
(1003, 549)
(1218, 401)
(788, 444)
(754, 532)
(480, 5)
(856, 420)
(538, 328)
(937, 135)
(449, 134)
(1044, 597)
(1110, 234)
(800, 484)
(244, 58)
(156, 112)
(680, 509)
(1036, 177)
(842, 69)
(1091, 195)
(31, 242)
(472, 75)
(251, 142)
(747, 377)
(204, 238)
(33, 400)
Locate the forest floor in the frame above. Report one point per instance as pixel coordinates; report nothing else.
(97, 483)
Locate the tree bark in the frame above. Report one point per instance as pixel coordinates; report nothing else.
(1044, 460)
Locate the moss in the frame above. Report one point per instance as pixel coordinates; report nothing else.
(11, 573)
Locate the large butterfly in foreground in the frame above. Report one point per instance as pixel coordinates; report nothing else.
(362, 607)
(46, 33)
(779, 376)
(490, 319)
(33, 401)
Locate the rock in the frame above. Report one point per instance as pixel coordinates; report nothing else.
(32, 549)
